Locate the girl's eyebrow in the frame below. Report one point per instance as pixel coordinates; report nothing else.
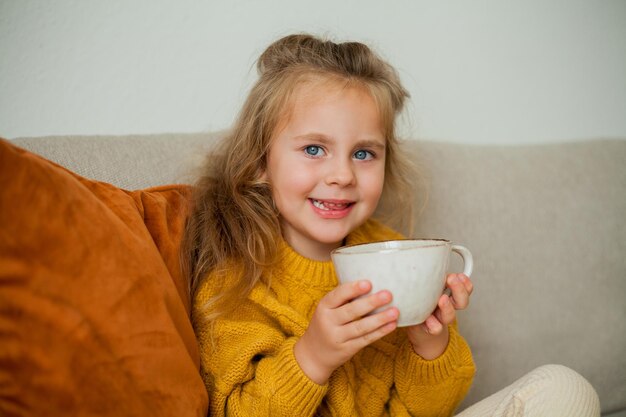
(325, 140)
(315, 137)
(374, 144)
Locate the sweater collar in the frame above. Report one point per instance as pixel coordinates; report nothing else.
(305, 272)
(310, 273)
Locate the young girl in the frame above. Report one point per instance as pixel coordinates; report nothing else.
(310, 158)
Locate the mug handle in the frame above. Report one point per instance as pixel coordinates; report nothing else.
(468, 260)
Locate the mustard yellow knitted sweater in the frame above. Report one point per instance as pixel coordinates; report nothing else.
(250, 369)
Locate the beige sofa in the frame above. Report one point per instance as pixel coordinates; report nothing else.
(546, 225)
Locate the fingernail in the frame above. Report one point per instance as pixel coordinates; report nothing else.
(453, 279)
(384, 296)
(363, 285)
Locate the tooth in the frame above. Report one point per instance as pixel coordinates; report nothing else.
(327, 205)
(319, 205)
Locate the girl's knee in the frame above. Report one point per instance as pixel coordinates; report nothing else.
(558, 386)
(560, 374)
(549, 390)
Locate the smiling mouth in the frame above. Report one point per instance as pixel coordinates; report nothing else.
(328, 205)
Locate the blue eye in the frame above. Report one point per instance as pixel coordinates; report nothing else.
(363, 155)
(314, 150)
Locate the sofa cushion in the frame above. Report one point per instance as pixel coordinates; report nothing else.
(94, 312)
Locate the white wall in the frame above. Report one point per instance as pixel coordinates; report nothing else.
(490, 71)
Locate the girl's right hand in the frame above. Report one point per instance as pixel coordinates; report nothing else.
(340, 328)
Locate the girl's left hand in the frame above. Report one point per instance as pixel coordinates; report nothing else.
(430, 338)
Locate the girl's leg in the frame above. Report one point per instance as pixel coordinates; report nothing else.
(550, 390)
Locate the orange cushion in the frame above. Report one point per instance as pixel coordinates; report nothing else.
(94, 312)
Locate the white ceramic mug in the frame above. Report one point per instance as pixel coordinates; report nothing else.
(413, 270)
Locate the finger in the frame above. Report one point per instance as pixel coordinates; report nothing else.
(458, 291)
(345, 292)
(362, 306)
(432, 325)
(445, 312)
(369, 338)
(469, 285)
(366, 325)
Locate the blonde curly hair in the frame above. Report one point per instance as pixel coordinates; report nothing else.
(233, 221)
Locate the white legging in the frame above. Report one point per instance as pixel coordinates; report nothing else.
(548, 391)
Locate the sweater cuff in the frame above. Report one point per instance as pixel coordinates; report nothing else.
(414, 370)
(296, 389)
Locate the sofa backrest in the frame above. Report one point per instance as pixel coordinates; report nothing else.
(546, 225)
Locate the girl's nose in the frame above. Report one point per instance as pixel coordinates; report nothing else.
(340, 173)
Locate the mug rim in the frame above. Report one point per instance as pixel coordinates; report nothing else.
(436, 242)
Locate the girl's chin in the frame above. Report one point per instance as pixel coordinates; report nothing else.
(332, 241)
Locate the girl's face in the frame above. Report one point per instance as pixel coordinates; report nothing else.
(326, 166)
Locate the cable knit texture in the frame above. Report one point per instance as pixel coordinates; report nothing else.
(250, 369)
